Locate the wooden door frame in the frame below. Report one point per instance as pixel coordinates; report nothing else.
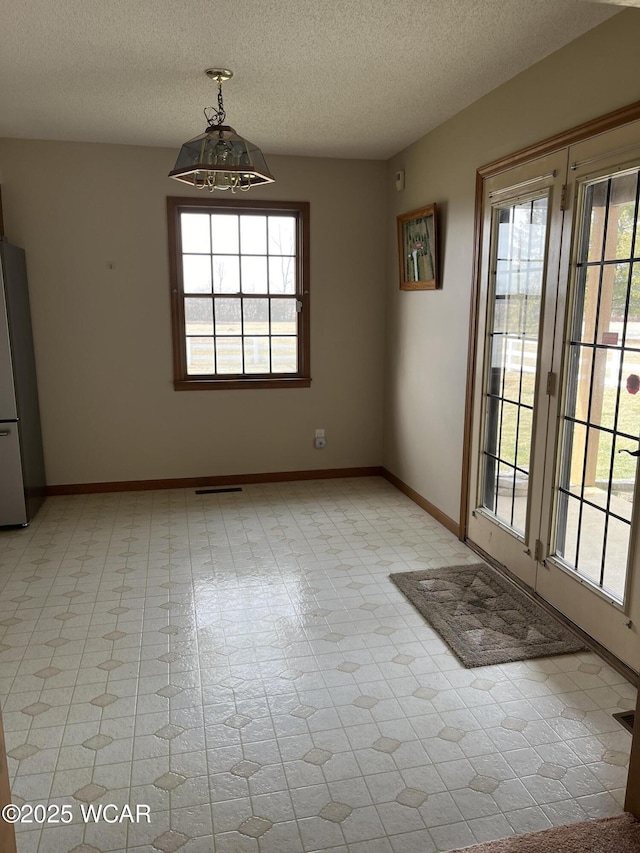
(610, 121)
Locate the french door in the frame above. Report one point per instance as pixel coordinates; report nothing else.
(552, 480)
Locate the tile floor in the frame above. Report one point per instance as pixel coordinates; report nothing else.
(241, 664)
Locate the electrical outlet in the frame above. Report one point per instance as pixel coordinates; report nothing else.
(319, 433)
(320, 441)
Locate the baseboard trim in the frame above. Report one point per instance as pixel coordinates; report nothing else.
(426, 505)
(222, 480)
(620, 666)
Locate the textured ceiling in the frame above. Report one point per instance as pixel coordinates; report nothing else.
(337, 78)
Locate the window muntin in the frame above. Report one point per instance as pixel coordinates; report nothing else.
(239, 293)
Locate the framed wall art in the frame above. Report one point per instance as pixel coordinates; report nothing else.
(417, 249)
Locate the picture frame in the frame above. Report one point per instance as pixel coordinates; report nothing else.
(418, 249)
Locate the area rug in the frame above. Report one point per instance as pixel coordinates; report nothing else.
(483, 618)
(610, 835)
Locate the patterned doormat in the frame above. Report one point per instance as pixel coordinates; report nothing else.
(483, 618)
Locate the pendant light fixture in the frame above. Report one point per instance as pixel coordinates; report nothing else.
(219, 159)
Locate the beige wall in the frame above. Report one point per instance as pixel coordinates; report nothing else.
(427, 331)
(103, 336)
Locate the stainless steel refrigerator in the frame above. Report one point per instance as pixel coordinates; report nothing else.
(22, 478)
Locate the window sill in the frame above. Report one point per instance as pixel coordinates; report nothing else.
(200, 384)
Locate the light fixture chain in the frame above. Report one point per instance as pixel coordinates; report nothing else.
(214, 117)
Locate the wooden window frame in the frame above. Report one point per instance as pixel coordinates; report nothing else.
(182, 381)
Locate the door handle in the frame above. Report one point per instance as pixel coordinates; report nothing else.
(4, 433)
(630, 452)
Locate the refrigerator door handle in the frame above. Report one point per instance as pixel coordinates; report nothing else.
(4, 432)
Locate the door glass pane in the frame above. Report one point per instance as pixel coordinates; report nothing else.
(597, 470)
(513, 337)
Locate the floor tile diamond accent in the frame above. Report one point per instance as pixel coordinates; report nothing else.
(170, 781)
(104, 700)
(514, 724)
(255, 827)
(365, 702)
(386, 744)
(119, 611)
(385, 631)
(348, 666)
(170, 841)
(246, 769)
(483, 684)
(169, 657)
(108, 665)
(618, 759)
(36, 709)
(484, 784)
(115, 635)
(450, 733)
(24, 751)
(169, 732)
(57, 642)
(573, 713)
(333, 637)
(303, 711)
(405, 660)
(64, 617)
(411, 797)
(551, 771)
(591, 668)
(98, 742)
(369, 606)
(89, 793)
(9, 623)
(317, 756)
(237, 721)
(425, 692)
(537, 676)
(169, 692)
(335, 812)
(48, 672)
